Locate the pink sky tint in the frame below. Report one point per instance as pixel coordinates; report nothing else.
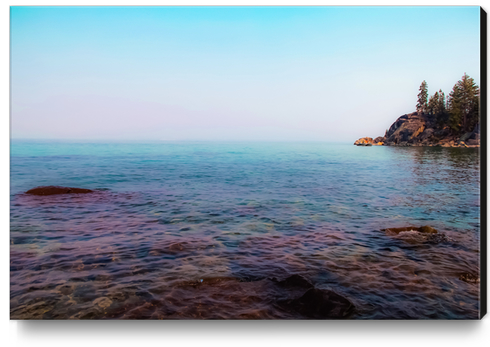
(290, 73)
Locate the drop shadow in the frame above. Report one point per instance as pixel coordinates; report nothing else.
(34, 330)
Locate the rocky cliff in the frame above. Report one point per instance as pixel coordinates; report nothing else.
(418, 129)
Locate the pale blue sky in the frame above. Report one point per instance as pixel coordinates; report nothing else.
(244, 73)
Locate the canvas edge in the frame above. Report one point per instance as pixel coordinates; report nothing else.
(483, 162)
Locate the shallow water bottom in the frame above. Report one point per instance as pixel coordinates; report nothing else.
(196, 231)
(98, 269)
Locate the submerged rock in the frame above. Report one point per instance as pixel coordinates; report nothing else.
(295, 281)
(263, 298)
(312, 302)
(469, 278)
(320, 304)
(423, 229)
(427, 229)
(437, 238)
(423, 234)
(54, 190)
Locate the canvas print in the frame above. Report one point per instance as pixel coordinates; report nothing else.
(282, 163)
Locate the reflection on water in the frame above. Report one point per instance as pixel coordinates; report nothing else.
(199, 230)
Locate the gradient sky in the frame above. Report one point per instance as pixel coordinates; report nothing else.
(245, 73)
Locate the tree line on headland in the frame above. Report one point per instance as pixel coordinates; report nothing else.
(448, 121)
(459, 111)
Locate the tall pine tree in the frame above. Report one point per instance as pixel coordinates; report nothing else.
(422, 105)
(441, 112)
(432, 105)
(463, 105)
(437, 107)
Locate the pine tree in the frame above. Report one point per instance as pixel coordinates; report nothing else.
(453, 103)
(422, 105)
(441, 112)
(433, 104)
(464, 105)
(437, 107)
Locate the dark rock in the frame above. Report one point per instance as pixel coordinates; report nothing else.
(296, 294)
(475, 134)
(406, 128)
(295, 281)
(52, 190)
(441, 133)
(320, 304)
(469, 278)
(437, 238)
(426, 134)
(465, 137)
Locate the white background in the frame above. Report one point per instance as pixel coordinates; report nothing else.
(211, 333)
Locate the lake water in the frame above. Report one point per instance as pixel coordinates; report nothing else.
(198, 230)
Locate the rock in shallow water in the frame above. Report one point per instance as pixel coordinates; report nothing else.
(295, 281)
(415, 235)
(423, 229)
(469, 278)
(320, 304)
(437, 238)
(364, 141)
(314, 303)
(54, 190)
(292, 298)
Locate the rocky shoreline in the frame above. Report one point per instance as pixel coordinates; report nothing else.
(418, 129)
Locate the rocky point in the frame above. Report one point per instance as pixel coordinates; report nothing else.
(419, 129)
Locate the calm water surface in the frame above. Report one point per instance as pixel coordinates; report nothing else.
(196, 230)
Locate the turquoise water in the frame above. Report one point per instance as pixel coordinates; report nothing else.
(168, 215)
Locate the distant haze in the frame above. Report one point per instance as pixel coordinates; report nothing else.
(244, 73)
